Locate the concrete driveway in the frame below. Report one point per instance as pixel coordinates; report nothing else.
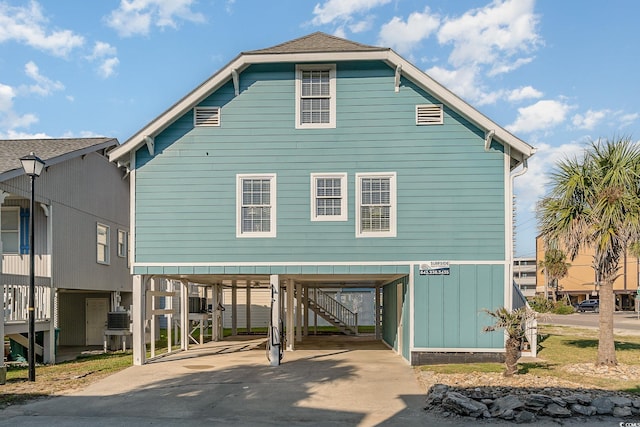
(324, 382)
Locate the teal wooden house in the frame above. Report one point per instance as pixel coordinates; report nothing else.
(325, 163)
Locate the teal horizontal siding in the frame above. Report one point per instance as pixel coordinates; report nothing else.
(450, 190)
(450, 309)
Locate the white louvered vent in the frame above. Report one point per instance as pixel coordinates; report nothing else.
(206, 116)
(429, 114)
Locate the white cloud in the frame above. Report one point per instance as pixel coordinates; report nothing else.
(342, 11)
(8, 118)
(589, 120)
(627, 119)
(106, 54)
(361, 26)
(27, 25)
(403, 36)
(491, 34)
(541, 116)
(43, 86)
(107, 67)
(102, 49)
(464, 82)
(522, 93)
(135, 17)
(507, 67)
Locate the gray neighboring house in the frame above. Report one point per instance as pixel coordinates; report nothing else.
(81, 241)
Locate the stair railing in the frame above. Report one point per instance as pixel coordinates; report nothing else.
(335, 309)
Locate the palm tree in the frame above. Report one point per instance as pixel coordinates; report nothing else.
(514, 324)
(594, 203)
(555, 268)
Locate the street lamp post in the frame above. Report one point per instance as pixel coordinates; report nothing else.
(32, 166)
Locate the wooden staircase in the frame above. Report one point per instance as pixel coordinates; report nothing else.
(333, 311)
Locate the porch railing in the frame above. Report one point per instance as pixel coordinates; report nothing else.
(16, 300)
(531, 327)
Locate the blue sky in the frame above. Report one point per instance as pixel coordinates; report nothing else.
(558, 74)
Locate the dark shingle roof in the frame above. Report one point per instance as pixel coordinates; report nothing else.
(52, 151)
(317, 42)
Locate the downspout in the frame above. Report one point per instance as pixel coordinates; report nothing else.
(525, 167)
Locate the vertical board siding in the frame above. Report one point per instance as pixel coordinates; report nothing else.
(450, 191)
(449, 309)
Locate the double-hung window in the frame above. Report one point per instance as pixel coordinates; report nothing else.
(316, 96)
(256, 205)
(122, 243)
(102, 247)
(376, 204)
(10, 230)
(329, 197)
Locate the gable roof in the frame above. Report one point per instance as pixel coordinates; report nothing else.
(321, 47)
(52, 151)
(316, 42)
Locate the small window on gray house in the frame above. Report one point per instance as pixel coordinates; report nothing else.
(102, 238)
(122, 243)
(10, 230)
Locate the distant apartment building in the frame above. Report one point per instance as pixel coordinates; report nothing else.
(524, 274)
(580, 282)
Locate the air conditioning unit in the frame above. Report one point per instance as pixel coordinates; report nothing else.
(118, 320)
(197, 305)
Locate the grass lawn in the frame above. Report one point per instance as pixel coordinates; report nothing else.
(60, 378)
(559, 347)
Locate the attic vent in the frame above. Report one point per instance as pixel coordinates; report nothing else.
(430, 114)
(207, 116)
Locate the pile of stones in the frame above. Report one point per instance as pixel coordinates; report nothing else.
(527, 405)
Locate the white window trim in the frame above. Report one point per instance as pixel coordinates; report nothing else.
(13, 210)
(392, 200)
(107, 261)
(343, 202)
(239, 232)
(124, 242)
(332, 95)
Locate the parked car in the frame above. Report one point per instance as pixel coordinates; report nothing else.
(589, 305)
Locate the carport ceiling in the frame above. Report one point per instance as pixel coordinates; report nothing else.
(313, 280)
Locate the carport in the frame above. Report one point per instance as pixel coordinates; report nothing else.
(293, 296)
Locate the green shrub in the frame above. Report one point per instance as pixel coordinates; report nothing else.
(541, 304)
(562, 308)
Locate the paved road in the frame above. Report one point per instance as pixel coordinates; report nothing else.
(624, 322)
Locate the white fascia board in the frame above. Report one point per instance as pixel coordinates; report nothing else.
(387, 55)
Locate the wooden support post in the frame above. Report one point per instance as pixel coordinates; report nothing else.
(298, 312)
(234, 308)
(138, 315)
(305, 302)
(378, 321)
(184, 315)
(274, 344)
(248, 307)
(290, 323)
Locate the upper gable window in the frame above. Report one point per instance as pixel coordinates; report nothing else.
(315, 96)
(206, 116)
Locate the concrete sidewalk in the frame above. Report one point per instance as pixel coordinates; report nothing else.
(324, 382)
